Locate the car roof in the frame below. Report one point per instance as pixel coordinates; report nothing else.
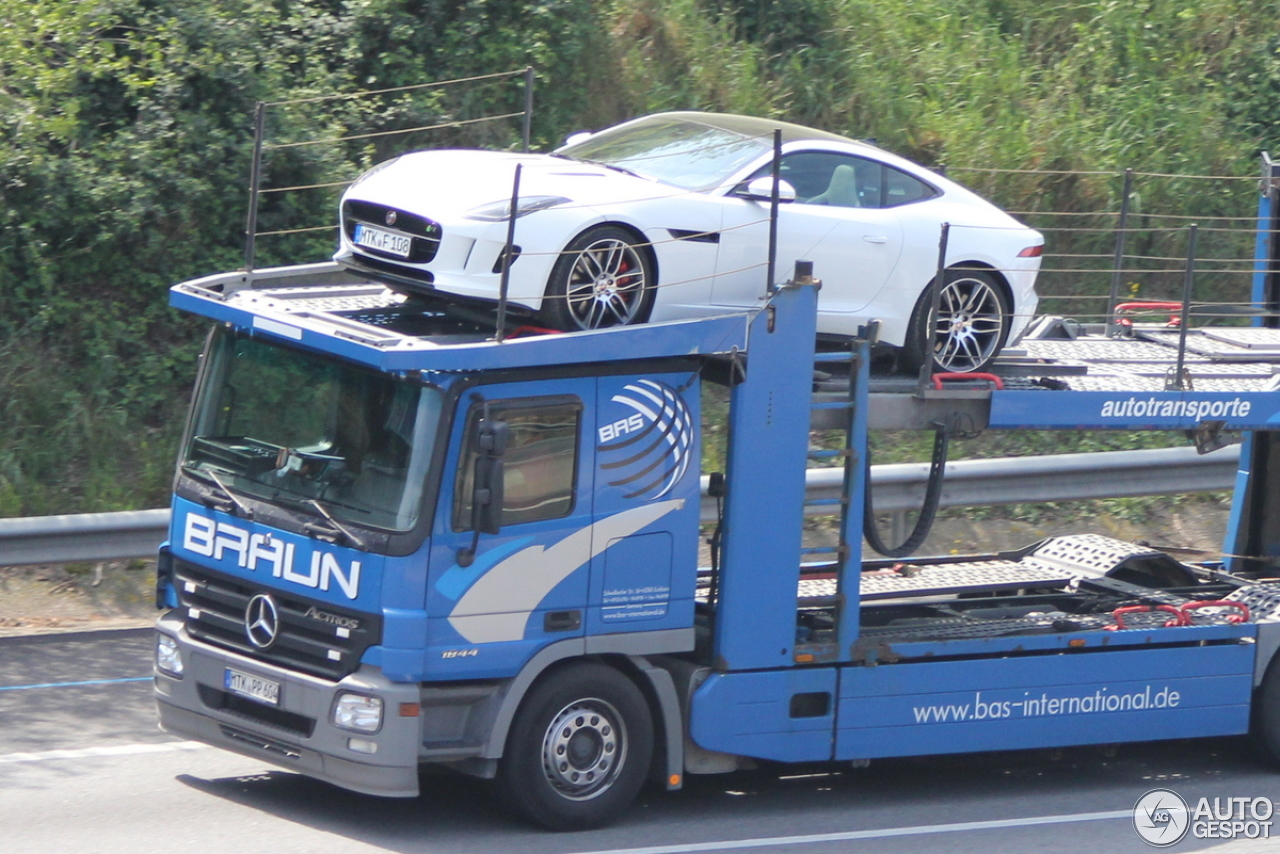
(754, 126)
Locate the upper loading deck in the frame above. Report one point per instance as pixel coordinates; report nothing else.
(1229, 377)
(317, 306)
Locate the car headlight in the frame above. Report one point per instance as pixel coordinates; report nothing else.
(358, 711)
(168, 657)
(501, 210)
(374, 171)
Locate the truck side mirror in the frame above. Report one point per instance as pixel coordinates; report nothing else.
(492, 437)
(487, 484)
(486, 498)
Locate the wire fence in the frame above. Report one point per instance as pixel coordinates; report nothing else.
(1148, 236)
(307, 150)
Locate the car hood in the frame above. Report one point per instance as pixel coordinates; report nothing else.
(452, 182)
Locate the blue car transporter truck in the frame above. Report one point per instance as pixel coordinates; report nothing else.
(397, 542)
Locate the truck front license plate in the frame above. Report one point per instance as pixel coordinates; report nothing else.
(383, 241)
(253, 687)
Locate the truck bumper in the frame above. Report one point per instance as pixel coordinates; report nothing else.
(298, 733)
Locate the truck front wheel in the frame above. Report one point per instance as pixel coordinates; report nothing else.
(579, 749)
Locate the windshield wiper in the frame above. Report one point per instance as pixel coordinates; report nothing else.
(210, 476)
(337, 526)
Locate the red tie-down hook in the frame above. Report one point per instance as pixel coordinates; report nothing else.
(1242, 617)
(940, 378)
(1175, 320)
(1179, 618)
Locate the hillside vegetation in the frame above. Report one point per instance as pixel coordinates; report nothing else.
(126, 138)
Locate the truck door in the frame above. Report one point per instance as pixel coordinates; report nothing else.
(645, 547)
(495, 598)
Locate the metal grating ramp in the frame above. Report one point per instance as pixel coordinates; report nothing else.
(943, 579)
(1089, 554)
(1263, 601)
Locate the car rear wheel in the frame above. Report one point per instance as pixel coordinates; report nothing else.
(971, 327)
(603, 278)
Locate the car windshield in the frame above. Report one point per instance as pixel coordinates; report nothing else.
(675, 151)
(293, 428)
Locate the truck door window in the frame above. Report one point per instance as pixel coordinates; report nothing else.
(540, 463)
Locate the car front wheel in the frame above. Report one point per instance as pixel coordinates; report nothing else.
(603, 278)
(970, 329)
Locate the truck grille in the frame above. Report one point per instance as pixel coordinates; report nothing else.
(426, 233)
(313, 637)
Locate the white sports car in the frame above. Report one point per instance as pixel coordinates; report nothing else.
(667, 216)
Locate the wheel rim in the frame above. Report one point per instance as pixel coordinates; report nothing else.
(969, 325)
(606, 284)
(584, 749)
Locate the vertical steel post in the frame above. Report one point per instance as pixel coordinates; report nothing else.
(1266, 293)
(255, 183)
(773, 212)
(1187, 280)
(528, 106)
(931, 322)
(1117, 262)
(507, 253)
(1253, 529)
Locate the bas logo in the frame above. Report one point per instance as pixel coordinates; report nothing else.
(205, 537)
(649, 449)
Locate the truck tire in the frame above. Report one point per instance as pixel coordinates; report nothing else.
(1266, 713)
(972, 326)
(579, 749)
(604, 277)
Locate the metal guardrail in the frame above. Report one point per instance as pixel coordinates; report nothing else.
(896, 488)
(83, 537)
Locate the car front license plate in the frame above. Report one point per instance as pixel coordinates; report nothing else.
(253, 687)
(383, 241)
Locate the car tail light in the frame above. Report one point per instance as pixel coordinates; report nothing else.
(1032, 251)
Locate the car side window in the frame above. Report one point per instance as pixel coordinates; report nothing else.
(540, 463)
(841, 180)
(824, 178)
(901, 188)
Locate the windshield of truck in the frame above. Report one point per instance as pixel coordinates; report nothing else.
(294, 428)
(689, 155)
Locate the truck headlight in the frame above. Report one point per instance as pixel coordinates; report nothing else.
(358, 711)
(168, 657)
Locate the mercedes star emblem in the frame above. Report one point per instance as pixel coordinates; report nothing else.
(261, 621)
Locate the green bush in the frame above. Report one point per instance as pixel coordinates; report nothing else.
(125, 148)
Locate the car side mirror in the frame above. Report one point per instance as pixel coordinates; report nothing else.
(761, 190)
(575, 138)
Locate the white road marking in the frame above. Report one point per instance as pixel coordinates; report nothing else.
(93, 752)
(883, 833)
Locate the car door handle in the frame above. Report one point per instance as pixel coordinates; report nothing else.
(875, 238)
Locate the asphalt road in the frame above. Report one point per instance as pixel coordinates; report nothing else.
(83, 768)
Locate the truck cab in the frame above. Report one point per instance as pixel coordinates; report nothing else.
(387, 529)
(399, 539)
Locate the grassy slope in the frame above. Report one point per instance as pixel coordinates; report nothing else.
(125, 148)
